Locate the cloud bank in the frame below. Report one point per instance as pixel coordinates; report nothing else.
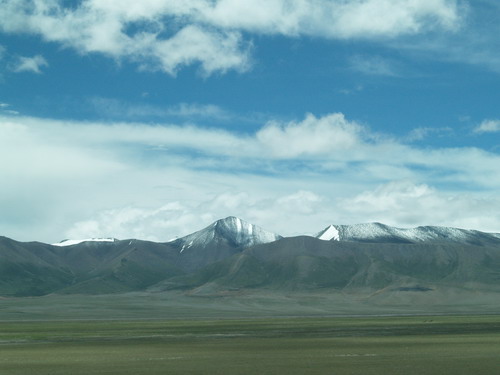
(164, 180)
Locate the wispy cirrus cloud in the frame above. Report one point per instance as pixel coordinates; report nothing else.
(118, 109)
(475, 44)
(374, 65)
(488, 126)
(33, 64)
(6, 109)
(422, 133)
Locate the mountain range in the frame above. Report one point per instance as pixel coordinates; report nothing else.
(231, 255)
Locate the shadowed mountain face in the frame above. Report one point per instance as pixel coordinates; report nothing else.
(233, 255)
(88, 267)
(305, 263)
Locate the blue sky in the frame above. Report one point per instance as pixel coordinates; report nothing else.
(151, 119)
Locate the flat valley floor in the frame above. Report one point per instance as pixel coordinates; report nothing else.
(363, 345)
(250, 334)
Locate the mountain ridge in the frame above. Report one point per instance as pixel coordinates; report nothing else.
(378, 232)
(231, 254)
(241, 233)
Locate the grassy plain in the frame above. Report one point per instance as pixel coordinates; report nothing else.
(235, 305)
(340, 345)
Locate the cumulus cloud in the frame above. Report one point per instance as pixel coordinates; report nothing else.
(29, 64)
(312, 136)
(488, 126)
(167, 35)
(215, 51)
(408, 204)
(177, 219)
(398, 203)
(158, 43)
(153, 224)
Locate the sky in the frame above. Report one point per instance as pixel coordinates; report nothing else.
(153, 119)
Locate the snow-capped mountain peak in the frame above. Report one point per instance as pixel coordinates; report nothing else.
(377, 232)
(232, 230)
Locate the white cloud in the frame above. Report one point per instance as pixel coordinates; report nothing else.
(156, 224)
(419, 134)
(159, 181)
(488, 126)
(374, 65)
(331, 140)
(476, 43)
(29, 64)
(181, 218)
(351, 91)
(398, 203)
(312, 136)
(198, 110)
(120, 109)
(102, 27)
(332, 19)
(168, 35)
(407, 204)
(215, 51)
(391, 18)
(323, 141)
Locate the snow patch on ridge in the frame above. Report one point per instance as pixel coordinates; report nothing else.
(187, 246)
(379, 232)
(76, 242)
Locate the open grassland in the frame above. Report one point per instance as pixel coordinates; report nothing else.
(248, 304)
(368, 345)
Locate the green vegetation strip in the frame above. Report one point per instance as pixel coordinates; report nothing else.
(382, 345)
